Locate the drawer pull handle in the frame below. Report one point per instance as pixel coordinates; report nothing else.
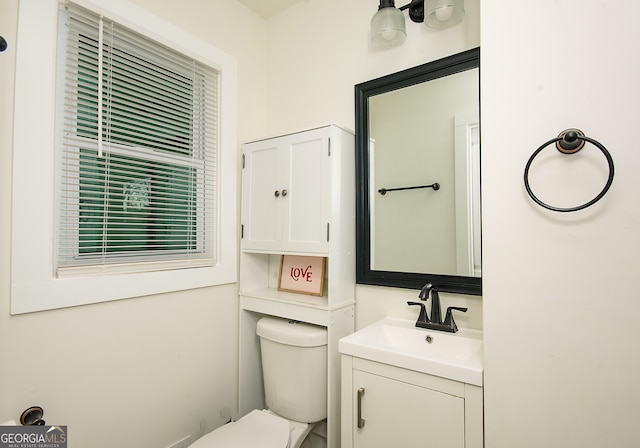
(360, 419)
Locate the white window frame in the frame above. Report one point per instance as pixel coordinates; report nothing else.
(34, 284)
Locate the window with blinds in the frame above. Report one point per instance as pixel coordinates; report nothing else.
(137, 150)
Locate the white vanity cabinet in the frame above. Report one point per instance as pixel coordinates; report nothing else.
(285, 184)
(383, 406)
(298, 198)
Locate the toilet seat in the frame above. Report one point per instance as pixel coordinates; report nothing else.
(257, 428)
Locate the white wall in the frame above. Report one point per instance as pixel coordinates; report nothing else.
(318, 51)
(142, 372)
(560, 291)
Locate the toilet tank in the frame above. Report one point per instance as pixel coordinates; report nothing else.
(294, 366)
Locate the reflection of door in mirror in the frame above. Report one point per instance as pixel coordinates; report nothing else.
(467, 172)
(415, 130)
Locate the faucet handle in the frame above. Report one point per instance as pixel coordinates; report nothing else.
(448, 319)
(423, 311)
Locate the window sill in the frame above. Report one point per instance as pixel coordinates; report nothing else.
(74, 291)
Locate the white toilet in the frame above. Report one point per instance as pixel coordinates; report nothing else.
(294, 365)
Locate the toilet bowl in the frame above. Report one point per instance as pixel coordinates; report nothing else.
(294, 364)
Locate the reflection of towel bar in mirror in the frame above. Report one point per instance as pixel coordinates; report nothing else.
(435, 186)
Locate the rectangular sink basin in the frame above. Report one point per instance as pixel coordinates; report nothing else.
(398, 342)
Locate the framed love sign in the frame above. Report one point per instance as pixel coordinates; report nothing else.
(302, 274)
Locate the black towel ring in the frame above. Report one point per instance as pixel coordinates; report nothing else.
(570, 142)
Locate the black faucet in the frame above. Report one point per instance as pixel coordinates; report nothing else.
(435, 321)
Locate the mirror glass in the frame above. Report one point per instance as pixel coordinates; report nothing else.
(418, 171)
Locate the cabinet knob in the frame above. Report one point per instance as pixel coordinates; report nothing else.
(277, 193)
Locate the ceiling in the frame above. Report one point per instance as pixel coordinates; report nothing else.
(268, 8)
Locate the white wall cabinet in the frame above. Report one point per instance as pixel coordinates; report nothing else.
(385, 406)
(315, 217)
(285, 193)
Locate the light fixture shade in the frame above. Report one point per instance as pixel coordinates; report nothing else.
(440, 14)
(387, 27)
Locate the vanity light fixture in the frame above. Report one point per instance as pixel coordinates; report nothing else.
(441, 14)
(388, 24)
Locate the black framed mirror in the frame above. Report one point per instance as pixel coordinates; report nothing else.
(411, 231)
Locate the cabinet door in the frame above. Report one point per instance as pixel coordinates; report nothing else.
(261, 196)
(398, 414)
(306, 208)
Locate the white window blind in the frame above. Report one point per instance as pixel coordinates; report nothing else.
(137, 151)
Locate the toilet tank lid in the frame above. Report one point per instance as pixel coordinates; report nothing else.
(291, 332)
